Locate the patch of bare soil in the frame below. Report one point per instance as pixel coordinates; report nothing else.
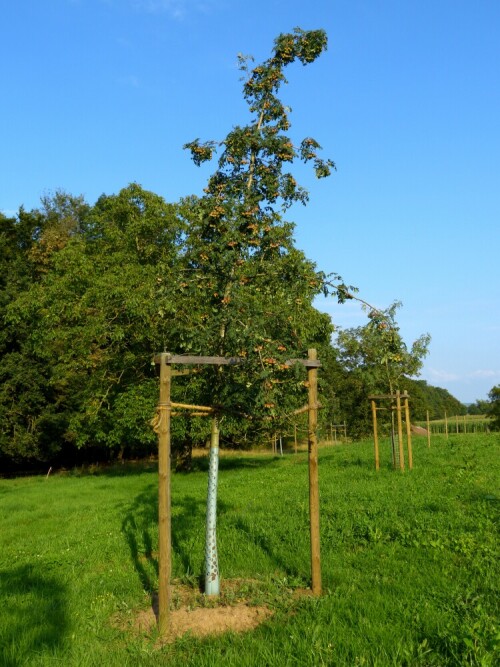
(204, 621)
(199, 621)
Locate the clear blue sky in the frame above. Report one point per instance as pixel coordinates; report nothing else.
(99, 93)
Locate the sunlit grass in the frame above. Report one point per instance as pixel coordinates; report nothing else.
(410, 560)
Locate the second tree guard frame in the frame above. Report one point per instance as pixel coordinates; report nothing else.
(397, 398)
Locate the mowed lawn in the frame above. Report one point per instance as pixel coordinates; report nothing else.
(410, 561)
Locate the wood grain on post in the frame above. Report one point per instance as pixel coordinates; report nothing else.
(400, 431)
(375, 434)
(408, 434)
(164, 521)
(312, 374)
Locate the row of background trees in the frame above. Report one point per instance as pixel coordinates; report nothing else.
(88, 293)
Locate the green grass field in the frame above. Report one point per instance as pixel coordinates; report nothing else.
(410, 560)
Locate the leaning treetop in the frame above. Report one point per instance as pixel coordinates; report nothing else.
(250, 167)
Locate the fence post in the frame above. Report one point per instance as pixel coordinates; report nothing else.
(164, 520)
(312, 376)
(375, 434)
(400, 431)
(408, 434)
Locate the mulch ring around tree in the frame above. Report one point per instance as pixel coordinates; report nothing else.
(237, 609)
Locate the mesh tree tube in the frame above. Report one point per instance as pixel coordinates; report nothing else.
(212, 584)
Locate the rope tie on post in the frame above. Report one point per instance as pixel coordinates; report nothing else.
(159, 421)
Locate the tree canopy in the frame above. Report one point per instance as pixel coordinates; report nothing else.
(255, 289)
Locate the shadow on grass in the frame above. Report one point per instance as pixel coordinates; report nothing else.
(114, 469)
(264, 542)
(140, 527)
(198, 464)
(33, 615)
(490, 498)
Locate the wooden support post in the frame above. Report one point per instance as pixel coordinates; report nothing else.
(408, 434)
(393, 439)
(375, 434)
(164, 521)
(312, 374)
(446, 424)
(295, 437)
(428, 430)
(400, 431)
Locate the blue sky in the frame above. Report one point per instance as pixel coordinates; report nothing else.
(100, 93)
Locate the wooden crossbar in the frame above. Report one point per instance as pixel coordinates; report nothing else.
(225, 361)
(186, 406)
(392, 396)
(305, 408)
(308, 363)
(201, 360)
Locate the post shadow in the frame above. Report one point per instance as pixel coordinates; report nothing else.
(34, 605)
(140, 525)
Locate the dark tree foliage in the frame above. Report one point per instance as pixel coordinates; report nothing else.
(436, 400)
(85, 322)
(30, 420)
(494, 407)
(480, 407)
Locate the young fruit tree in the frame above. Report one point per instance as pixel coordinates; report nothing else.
(249, 288)
(376, 360)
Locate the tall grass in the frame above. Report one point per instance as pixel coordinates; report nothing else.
(410, 561)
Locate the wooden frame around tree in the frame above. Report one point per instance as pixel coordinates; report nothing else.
(397, 399)
(162, 427)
